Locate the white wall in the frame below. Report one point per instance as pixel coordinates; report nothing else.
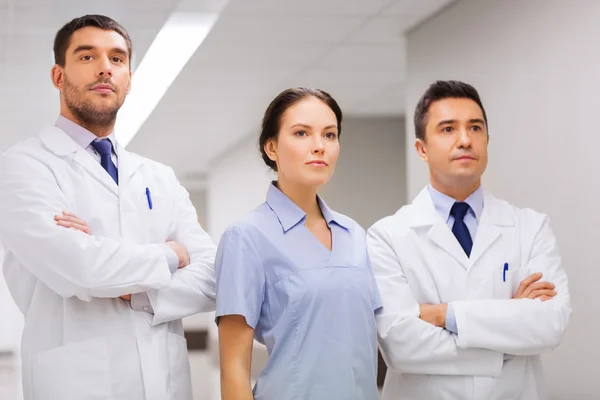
(370, 178)
(535, 65)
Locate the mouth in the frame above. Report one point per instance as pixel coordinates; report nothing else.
(102, 88)
(317, 163)
(465, 158)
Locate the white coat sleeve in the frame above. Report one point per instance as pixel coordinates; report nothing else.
(521, 326)
(409, 344)
(191, 290)
(69, 262)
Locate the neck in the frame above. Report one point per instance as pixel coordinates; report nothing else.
(303, 196)
(100, 131)
(459, 191)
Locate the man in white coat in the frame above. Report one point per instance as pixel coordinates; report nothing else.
(472, 287)
(104, 252)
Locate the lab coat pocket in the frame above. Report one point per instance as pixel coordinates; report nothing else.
(506, 285)
(180, 376)
(77, 371)
(157, 217)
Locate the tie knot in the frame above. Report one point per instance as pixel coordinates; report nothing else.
(102, 146)
(459, 210)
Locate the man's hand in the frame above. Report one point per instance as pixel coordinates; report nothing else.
(435, 314)
(530, 288)
(182, 254)
(70, 220)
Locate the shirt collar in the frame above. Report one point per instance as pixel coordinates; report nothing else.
(80, 135)
(289, 214)
(443, 203)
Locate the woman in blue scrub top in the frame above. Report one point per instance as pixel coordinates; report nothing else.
(295, 275)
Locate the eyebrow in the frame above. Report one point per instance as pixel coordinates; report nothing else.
(87, 47)
(310, 127)
(453, 121)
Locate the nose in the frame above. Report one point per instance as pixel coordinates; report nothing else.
(105, 67)
(319, 144)
(464, 138)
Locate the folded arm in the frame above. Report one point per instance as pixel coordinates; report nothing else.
(520, 326)
(69, 262)
(191, 290)
(408, 343)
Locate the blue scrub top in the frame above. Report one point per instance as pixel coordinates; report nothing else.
(313, 308)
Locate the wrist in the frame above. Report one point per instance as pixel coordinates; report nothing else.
(441, 315)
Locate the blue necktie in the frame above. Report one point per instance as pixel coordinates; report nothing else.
(460, 230)
(104, 148)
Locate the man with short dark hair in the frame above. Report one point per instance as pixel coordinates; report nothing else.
(104, 253)
(472, 287)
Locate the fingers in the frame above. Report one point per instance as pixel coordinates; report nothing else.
(545, 298)
(68, 224)
(526, 282)
(537, 286)
(70, 219)
(544, 292)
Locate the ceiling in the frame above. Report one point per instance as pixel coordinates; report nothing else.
(354, 49)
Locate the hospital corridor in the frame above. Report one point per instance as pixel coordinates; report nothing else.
(299, 199)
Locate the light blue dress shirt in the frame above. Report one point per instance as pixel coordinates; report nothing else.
(84, 138)
(443, 204)
(313, 308)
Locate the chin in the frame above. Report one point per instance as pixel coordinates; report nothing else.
(315, 181)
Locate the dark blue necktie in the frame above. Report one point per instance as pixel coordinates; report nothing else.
(104, 148)
(460, 230)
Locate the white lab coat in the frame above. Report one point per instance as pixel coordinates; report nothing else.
(80, 341)
(417, 260)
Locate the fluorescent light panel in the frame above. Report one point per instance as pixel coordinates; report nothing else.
(173, 46)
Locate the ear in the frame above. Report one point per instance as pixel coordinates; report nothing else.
(57, 74)
(271, 149)
(421, 148)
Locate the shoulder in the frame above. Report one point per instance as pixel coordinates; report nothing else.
(523, 217)
(25, 157)
(252, 225)
(395, 224)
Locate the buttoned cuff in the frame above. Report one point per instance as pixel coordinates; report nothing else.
(141, 302)
(451, 319)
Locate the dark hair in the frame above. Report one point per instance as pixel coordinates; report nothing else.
(443, 90)
(271, 122)
(63, 36)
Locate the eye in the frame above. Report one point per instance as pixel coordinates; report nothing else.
(300, 133)
(447, 129)
(330, 135)
(476, 128)
(117, 59)
(86, 58)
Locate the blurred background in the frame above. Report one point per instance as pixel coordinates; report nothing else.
(205, 70)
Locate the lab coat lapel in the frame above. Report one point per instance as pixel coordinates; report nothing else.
(128, 165)
(495, 214)
(132, 187)
(426, 216)
(62, 145)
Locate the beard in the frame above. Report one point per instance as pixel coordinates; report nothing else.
(83, 108)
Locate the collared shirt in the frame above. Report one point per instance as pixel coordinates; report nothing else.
(313, 308)
(84, 138)
(443, 204)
